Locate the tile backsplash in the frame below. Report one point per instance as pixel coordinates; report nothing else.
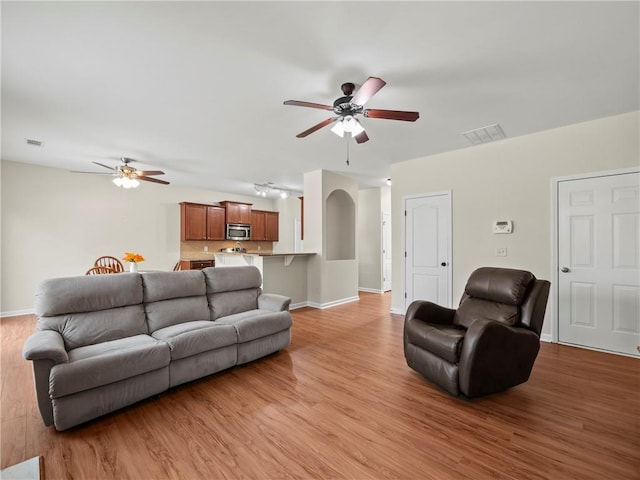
(194, 250)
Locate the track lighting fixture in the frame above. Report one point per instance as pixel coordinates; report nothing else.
(263, 189)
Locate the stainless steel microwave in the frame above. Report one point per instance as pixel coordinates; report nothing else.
(238, 232)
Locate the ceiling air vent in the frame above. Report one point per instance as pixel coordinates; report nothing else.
(486, 134)
(34, 143)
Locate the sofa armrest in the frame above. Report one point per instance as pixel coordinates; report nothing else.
(495, 357)
(45, 345)
(273, 302)
(429, 312)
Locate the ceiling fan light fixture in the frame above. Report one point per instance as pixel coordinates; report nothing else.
(338, 128)
(356, 127)
(126, 182)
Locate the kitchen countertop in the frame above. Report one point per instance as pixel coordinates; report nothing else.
(272, 254)
(263, 254)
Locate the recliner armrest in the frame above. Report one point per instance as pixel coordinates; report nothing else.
(496, 356)
(45, 345)
(429, 312)
(273, 302)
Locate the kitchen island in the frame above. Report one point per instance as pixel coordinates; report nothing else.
(282, 273)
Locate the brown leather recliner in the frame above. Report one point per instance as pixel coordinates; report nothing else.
(489, 343)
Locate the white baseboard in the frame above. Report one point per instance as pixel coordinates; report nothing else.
(293, 306)
(17, 313)
(397, 311)
(546, 337)
(370, 290)
(335, 303)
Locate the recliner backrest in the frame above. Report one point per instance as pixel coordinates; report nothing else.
(495, 294)
(92, 309)
(232, 290)
(174, 297)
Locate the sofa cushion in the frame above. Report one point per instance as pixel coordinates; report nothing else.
(107, 362)
(257, 323)
(167, 285)
(178, 310)
(229, 303)
(87, 293)
(174, 297)
(227, 279)
(191, 338)
(88, 328)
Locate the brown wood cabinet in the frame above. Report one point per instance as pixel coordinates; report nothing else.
(237, 213)
(264, 225)
(196, 264)
(202, 222)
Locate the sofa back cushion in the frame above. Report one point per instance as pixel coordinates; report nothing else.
(232, 290)
(90, 309)
(493, 293)
(174, 297)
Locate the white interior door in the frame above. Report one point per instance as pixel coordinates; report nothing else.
(427, 249)
(599, 260)
(386, 252)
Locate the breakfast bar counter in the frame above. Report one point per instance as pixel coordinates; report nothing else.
(282, 273)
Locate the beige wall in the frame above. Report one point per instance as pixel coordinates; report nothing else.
(370, 240)
(329, 281)
(55, 223)
(509, 179)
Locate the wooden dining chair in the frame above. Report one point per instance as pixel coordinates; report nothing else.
(100, 270)
(177, 266)
(111, 262)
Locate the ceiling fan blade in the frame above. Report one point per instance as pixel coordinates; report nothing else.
(297, 103)
(317, 127)
(368, 89)
(361, 137)
(391, 114)
(93, 173)
(149, 172)
(155, 180)
(105, 166)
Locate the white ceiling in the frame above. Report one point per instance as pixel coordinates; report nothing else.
(197, 89)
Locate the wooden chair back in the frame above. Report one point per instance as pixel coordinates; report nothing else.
(177, 266)
(100, 270)
(111, 262)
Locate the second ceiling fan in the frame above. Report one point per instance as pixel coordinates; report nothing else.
(346, 108)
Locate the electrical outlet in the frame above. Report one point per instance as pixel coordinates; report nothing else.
(206, 248)
(501, 252)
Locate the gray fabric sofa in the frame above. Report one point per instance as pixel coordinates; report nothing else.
(103, 342)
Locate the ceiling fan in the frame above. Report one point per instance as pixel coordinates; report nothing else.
(346, 108)
(127, 176)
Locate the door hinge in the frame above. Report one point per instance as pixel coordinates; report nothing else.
(405, 254)
(405, 294)
(405, 213)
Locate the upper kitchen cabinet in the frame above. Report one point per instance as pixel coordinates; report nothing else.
(237, 213)
(201, 222)
(264, 225)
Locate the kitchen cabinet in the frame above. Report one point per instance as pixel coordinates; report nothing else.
(237, 213)
(195, 264)
(264, 225)
(202, 222)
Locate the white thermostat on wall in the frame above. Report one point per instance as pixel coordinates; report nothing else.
(502, 226)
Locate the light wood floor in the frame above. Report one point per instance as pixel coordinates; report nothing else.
(340, 402)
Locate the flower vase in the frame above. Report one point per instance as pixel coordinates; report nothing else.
(133, 267)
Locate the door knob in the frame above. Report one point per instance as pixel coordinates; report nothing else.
(443, 264)
(564, 270)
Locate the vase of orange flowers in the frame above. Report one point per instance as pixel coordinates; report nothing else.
(133, 259)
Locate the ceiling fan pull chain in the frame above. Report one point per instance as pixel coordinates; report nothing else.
(347, 137)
